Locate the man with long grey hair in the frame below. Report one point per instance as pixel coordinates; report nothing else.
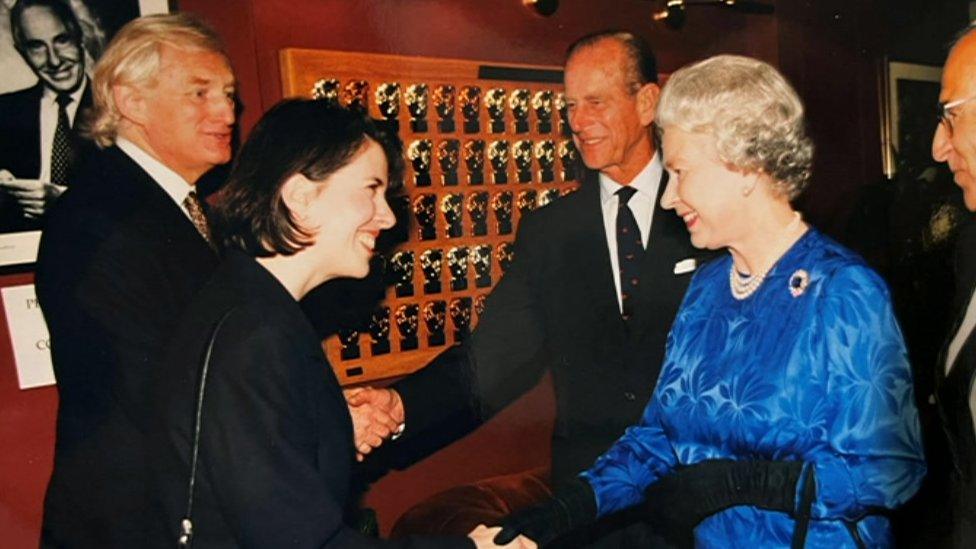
(124, 249)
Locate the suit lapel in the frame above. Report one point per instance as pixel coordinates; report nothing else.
(32, 134)
(940, 370)
(153, 208)
(668, 243)
(86, 101)
(32, 128)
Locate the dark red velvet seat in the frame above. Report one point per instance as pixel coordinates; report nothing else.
(458, 510)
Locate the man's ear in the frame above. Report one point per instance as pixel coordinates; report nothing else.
(647, 97)
(297, 193)
(131, 103)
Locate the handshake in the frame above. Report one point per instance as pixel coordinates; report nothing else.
(377, 416)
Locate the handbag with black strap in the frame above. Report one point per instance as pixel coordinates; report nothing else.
(185, 539)
(366, 522)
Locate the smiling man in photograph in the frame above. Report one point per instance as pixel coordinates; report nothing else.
(38, 138)
(123, 251)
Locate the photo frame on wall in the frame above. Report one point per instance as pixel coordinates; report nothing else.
(910, 92)
(29, 182)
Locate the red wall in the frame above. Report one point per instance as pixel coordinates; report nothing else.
(828, 48)
(495, 30)
(26, 443)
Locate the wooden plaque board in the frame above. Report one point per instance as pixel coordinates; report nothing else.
(432, 304)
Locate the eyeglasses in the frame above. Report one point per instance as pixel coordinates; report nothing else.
(944, 112)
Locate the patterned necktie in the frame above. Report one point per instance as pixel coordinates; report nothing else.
(195, 208)
(630, 249)
(61, 150)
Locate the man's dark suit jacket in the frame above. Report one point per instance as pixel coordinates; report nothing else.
(276, 441)
(556, 308)
(952, 397)
(118, 262)
(20, 147)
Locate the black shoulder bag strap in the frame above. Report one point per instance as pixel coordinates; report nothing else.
(808, 491)
(186, 524)
(808, 487)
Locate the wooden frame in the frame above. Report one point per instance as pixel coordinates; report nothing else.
(428, 298)
(907, 113)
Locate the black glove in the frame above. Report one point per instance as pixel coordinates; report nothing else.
(676, 503)
(572, 505)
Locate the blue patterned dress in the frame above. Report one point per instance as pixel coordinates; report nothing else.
(820, 377)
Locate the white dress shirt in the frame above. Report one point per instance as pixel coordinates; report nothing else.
(49, 123)
(642, 205)
(175, 186)
(965, 329)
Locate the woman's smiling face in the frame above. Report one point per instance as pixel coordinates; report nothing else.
(348, 213)
(703, 190)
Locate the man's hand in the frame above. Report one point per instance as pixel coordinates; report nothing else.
(33, 195)
(377, 414)
(483, 536)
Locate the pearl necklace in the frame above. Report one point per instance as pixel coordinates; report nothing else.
(744, 286)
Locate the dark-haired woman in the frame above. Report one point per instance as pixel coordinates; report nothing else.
(304, 204)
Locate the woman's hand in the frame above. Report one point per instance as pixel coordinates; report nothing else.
(483, 536)
(377, 415)
(572, 505)
(679, 501)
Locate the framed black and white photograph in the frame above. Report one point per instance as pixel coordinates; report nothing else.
(48, 49)
(908, 116)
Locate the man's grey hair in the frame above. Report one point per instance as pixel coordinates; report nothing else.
(133, 58)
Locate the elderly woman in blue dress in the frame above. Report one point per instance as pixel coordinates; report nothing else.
(785, 380)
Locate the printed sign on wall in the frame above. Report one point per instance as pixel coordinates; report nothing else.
(28, 336)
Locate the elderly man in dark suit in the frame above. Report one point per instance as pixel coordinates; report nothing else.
(591, 294)
(124, 250)
(37, 125)
(955, 143)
